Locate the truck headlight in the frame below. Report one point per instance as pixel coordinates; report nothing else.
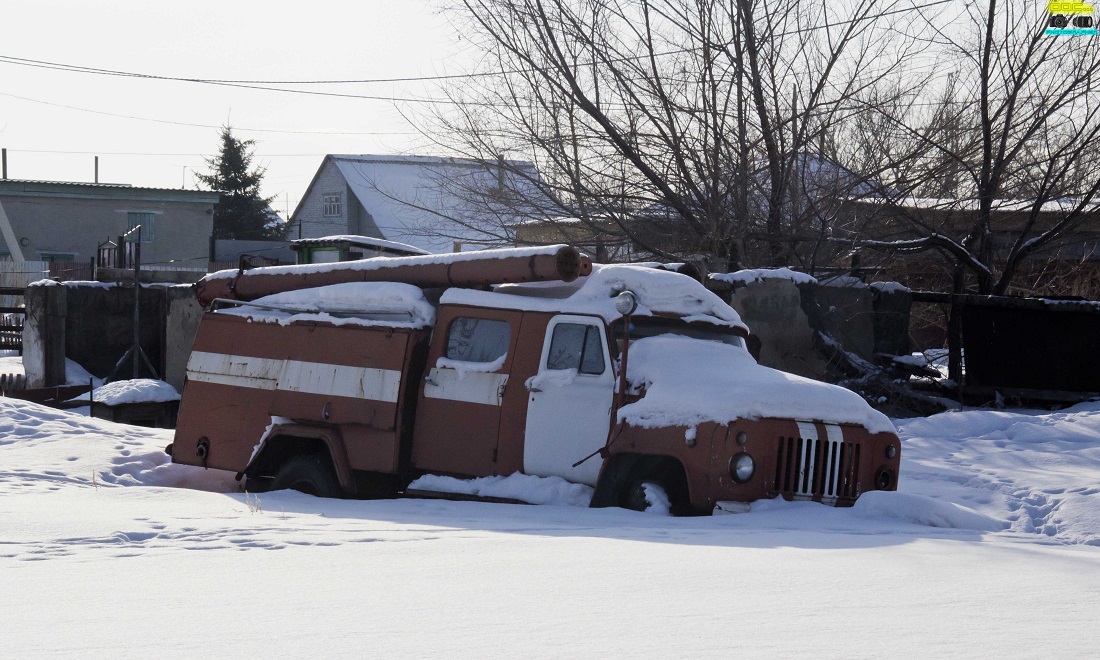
(742, 467)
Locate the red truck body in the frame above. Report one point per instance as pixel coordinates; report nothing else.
(528, 379)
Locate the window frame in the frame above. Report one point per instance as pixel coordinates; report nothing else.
(590, 330)
(332, 205)
(594, 324)
(147, 220)
(49, 256)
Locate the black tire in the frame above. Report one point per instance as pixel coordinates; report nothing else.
(257, 484)
(636, 497)
(311, 474)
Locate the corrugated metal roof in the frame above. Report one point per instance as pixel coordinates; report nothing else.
(125, 186)
(85, 190)
(67, 183)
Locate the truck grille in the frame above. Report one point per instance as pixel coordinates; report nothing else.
(821, 469)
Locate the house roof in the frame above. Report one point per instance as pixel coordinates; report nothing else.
(77, 189)
(1059, 206)
(425, 201)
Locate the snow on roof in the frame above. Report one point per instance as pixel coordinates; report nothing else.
(748, 276)
(389, 304)
(363, 241)
(999, 205)
(140, 390)
(426, 201)
(383, 262)
(657, 291)
(688, 382)
(889, 287)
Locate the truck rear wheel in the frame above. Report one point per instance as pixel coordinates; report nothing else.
(311, 474)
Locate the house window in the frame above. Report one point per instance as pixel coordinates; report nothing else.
(57, 256)
(143, 218)
(331, 205)
(478, 340)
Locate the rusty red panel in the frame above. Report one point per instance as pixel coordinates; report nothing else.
(232, 419)
(513, 414)
(460, 437)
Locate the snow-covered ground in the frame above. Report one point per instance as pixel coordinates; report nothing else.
(991, 548)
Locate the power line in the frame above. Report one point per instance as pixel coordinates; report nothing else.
(11, 59)
(266, 85)
(150, 153)
(194, 125)
(262, 87)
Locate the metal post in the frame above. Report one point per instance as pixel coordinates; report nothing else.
(4, 158)
(137, 301)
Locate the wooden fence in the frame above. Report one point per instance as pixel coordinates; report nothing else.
(11, 320)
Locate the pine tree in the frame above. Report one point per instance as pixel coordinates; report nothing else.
(242, 213)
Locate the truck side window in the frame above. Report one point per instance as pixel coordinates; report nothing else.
(478, 340)
(576, 346)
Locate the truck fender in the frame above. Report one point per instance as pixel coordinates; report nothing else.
(328, 436)
(620, 470)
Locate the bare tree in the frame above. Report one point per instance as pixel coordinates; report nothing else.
(1007, 160)
(678, 127)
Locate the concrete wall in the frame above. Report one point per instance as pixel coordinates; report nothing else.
(784, 319)
(93, 326)
(44, 335)
(50, 223)
(184, 313)
(772, 308)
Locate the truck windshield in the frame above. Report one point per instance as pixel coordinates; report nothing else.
(652, 326)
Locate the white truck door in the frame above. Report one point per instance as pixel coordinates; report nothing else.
(569, 401)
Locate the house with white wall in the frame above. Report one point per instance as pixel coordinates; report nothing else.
(435, 204)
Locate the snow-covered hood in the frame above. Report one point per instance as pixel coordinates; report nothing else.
(690, 381)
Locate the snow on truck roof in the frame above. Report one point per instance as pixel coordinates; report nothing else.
(658, 291)
(404, 305)
(389, 304)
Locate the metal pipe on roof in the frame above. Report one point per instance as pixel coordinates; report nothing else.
(488, 267)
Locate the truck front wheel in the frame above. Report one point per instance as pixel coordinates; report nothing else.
(311, 474)
(645, 495)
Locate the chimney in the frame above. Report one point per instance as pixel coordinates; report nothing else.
(4, 157)
(97, 169)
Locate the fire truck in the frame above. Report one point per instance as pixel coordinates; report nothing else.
(353, 379)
